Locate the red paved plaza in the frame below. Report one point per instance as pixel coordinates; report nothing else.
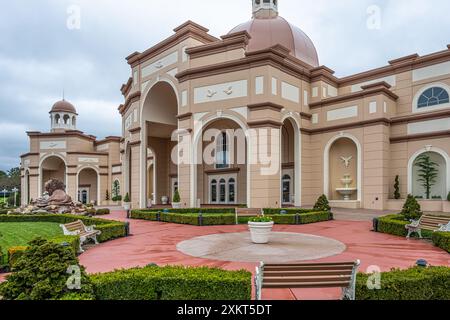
(153, 242)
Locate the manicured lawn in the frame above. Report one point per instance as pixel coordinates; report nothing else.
(21, 233)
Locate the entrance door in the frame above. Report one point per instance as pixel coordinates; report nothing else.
(83, 195)
(223, 189)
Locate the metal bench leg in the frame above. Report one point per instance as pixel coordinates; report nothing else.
(420, 234)
(350, 292)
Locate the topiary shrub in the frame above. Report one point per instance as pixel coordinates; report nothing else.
(397, 194)
(448, 197)
(173, 283)
(441, 240)
(322, 204)
(176, 197)
(413, 284)
(127, 198)
(41, 273)
(411, 209)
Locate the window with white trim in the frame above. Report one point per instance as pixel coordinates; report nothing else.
(433, 97)
(222, 151)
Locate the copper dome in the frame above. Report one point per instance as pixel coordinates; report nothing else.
(63, 106)
(269, 32)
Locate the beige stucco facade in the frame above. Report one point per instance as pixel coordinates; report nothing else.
(87, 166)
(306, 132)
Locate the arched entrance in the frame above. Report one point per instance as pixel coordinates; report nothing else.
(52, 167)
(159, 121)
(426, 187)
(343, 169)
(222, 167)
(88, 186)
(290, 163)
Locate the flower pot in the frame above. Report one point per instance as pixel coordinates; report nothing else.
(149, 203)
(260, 231)
(126, 206)
(176, 205)
(164, 200)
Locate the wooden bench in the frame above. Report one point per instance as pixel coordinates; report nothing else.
(78, 228)
(430, 223)
(310, 275)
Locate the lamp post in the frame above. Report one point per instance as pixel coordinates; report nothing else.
(4, 196)
(15, 196)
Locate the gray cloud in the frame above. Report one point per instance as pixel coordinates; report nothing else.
(39, 55)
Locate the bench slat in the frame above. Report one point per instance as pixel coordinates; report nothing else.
(336, 284)
(309, 264)
(303, 279)
(307, 273)
(314, 268)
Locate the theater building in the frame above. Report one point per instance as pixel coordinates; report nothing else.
(88, 167)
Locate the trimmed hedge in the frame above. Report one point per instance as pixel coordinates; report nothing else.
(417, 283)
(194, 210)
(102, 212)
(110, 229)
(269, 211)
(173, 283)
(441, 240)
(396, 225)
(212, 219)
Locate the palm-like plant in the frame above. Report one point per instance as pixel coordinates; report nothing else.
(428, 172)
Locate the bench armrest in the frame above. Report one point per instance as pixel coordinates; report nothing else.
(414, 223)
(90, 228)
(69, 233)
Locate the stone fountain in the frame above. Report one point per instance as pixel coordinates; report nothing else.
(346, 191)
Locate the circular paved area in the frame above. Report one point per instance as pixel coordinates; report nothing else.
(284, 247)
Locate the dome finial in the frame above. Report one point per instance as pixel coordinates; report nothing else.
(265, 9)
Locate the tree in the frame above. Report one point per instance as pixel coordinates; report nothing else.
(107, 195)
(176, 197)
(397, 194)
(41, 273)
(322, 204)
(428, 172)
(411, 209)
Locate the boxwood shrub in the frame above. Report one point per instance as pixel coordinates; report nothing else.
(102, 212)
(195, 210)
(210, 219)
(441, 240)
(413, 284)
(173, 283)
(396, 225)
(270, 211)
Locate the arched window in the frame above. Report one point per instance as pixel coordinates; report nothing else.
(222, 191)
(74, 121)
(214, 191)
(232, 190)
(57, 119)
(66, 119)
(433, 97)
(222, 153)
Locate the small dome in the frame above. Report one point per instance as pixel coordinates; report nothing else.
(63, 106)
(268, 32)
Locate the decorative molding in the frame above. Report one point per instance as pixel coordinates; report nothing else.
(184, 116)
(135, 130)
(421, 136)
(134, 97)
(265, 123)
(265, 106)
(222, 171)
(353, 125)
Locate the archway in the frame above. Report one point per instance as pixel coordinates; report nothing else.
(221, 169)
(88, 183)
(342, 172)
(159, 121)
(290, 163)
(440, 186)
(52, 167)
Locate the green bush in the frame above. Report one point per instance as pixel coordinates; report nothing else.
(173, 283)
(102, 212)
(396, 225)
(176, 197)
(194, 210)
(110, 229)
(41, 273)
(441, 240)
(413, 284)
(322, 204)
(411, 209)
(185, 218)
(127, 198)
(270, 211)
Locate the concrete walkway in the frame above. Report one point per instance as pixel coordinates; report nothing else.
(153, 242)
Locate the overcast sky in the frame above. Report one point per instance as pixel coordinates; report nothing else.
(40, 55)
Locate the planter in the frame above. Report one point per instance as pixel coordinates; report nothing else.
(260, 231)
(149, 203)
(164, 200)
(176, 205)
(126, 206)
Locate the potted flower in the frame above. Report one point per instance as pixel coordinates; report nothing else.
(260, 229)
(176, 201)
(164, 200)
(126, 202)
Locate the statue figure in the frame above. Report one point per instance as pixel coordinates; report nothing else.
(54, 195)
